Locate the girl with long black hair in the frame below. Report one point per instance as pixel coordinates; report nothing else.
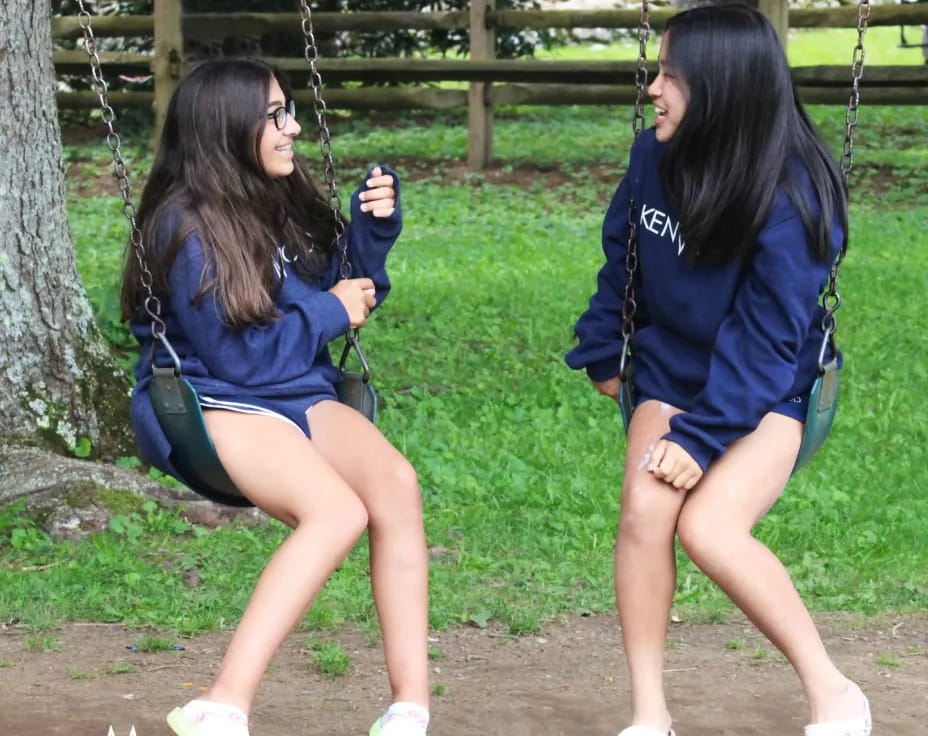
(740, 211)
(241, 255)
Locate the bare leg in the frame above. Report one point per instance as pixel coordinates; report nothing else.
(715, 530)
(645, 568)
(387, 486)
(282, 473)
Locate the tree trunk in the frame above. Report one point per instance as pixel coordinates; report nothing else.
(58, 382)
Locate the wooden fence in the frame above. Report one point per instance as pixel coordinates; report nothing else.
(490, 81)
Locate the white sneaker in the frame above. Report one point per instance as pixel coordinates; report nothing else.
(401, 719)
(206, 718)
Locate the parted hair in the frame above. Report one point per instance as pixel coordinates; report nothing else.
(744, 135)
(207, 179)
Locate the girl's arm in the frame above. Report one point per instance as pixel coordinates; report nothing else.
(369, 237)
(755, 357)
(282, 350)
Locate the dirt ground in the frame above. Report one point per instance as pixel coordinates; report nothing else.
(568, 680)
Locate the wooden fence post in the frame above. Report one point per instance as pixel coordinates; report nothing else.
(479, 108)
(169, 54)
(777, 12)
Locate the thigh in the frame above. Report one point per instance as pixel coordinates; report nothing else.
(357, 450)
(277, 468)
(742, 486)
(646, 501)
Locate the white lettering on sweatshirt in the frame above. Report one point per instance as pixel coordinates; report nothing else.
(662, 225)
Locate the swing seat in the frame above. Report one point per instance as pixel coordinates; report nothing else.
(355, 390)
(178, 410)
(823, 405)
(626, 403)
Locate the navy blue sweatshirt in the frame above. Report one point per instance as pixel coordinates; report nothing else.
(725, 344)
(287, 357)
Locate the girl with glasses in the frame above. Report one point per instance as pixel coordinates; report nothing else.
(242, 255)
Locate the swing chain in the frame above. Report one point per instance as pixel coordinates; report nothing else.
(852, 116)
(831, 299)
(629, 305)
(152, 304)
(641, 73)
(325, 139)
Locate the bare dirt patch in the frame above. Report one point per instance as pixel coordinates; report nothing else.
(567, 681)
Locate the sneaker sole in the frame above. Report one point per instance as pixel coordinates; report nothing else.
(179, 723)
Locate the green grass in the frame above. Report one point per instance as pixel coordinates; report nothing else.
(330, 659)
(805, 47)
(520, 461)
(42, 643)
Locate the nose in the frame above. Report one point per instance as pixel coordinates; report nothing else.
(293, 126)
(654, 89)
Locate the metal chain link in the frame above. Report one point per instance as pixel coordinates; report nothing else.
(325, 139)
(831, 299)
(629, 305)
(152, 304)
(852, 116)
(641, 73)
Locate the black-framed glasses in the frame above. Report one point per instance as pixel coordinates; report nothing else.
(281, 115)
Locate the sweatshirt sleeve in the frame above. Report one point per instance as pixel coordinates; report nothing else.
(285, 348)
(599, 329)
(755, 357)
(369, 241)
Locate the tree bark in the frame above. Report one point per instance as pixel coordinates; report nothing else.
(58, 382)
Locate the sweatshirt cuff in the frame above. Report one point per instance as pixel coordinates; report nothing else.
(333, 317)
(603, 370)
(383, 227)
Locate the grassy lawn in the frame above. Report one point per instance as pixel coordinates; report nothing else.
(520, 461)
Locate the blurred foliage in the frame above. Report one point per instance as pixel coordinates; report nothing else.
(510, 43)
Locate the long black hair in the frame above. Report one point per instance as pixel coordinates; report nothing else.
(743, 135)
(207, 178)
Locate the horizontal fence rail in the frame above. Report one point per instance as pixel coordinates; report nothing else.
(230, 25)
(491, 81)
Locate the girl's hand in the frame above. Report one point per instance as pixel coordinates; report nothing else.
(357, 297)
(379, 198)
(674, 465)
(609, 387)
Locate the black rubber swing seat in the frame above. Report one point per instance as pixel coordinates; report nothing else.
(192, 451)
(823, 405)
(177, 407)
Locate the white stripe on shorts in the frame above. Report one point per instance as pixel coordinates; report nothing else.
(208, 402)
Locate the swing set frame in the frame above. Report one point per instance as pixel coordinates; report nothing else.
(176, 403)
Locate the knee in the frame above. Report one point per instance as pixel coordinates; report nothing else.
(633, 527)
(346, 514)
(704, 538)
(349, 515)
(640, 521)
(398, 495)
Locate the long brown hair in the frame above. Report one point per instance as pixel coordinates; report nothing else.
(207, 179)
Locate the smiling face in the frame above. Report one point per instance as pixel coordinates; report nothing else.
(669, 95)
(276, 146)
